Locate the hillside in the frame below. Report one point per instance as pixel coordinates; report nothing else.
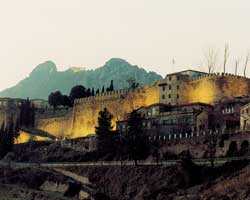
(45, 78)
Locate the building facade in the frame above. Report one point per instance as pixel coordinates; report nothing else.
(245, 118)
(167, 120)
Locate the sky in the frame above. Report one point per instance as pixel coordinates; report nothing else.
(148, 33)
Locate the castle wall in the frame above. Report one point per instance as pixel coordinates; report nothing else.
(59, 126)
(82, 120)
(214, 87)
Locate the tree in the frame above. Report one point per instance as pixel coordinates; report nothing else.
(244, 148)
(226, 56)
(97, 91)
(88, 92)
(77, 92)
(103, 89)
(111, 87)
(246, 63)
(211, 56)
(27, 114)
(93, 92)
(55, 99)
(136, 138)
(104, 131)
(7, 137)
(212, 144)
(237, 61)
(233, 149)
(132, 83)
(65, 101)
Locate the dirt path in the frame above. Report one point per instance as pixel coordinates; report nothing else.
(82, 179)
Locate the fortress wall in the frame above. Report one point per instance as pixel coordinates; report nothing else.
(81, 121)
(57, 126)
(214, 87)
(118, 103)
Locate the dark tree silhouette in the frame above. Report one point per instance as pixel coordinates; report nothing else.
(77, 92)
(103, 89)
(138, 147)
(88, 92)
(55, 99)
(104, 131)
(132, 84)
(8, 134)
(65, 101)
(212, 143)
(93, 92)
(232, 149)
(27, 114)
(111, 87)
(97, 91)
(244, 148)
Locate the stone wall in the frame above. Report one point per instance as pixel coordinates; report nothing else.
(81, 121)
(57, 125)
(212, 88)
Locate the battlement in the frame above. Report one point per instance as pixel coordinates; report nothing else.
(108, 95)
(219, 75)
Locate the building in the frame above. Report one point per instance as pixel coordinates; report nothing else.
(171, 88)
(165, 119)
(228, 113)
(245, 117)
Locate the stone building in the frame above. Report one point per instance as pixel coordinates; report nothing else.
(245, 117)
(227, 114)
(171, 88)
(165, 119)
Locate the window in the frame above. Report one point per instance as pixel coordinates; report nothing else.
(178, 87)
(177, 96)
(163, 96)
(170, 78)
(169, 87)
(163, 88)
(178, 78)
(169, 96)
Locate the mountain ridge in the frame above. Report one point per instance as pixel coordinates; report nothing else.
(46, 78)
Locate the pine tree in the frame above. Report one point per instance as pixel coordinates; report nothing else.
(136, 138)
(7, 138)
(111, 87)
(104, 131)
(103, 89)
(93, 92)
(97, 91)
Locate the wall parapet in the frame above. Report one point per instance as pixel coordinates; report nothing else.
(219, 75)
(108, 95)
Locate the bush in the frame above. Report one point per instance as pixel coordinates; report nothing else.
(232, 150)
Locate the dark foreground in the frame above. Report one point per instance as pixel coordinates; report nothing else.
(182, 181)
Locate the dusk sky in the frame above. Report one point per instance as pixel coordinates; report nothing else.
(148, 33)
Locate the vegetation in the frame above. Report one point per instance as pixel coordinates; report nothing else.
(104, 131)
(233, 149)
(8, 133)
(136, 139)
(27, 114)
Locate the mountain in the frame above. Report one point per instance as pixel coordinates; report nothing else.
(45, 78)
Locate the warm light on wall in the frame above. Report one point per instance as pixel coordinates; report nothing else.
(26, 137)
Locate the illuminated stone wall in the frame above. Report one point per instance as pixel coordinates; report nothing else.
(59, 126)
(214, 87)
(81, 121)
(119, 103)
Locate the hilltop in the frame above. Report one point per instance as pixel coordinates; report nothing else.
(46, 78)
